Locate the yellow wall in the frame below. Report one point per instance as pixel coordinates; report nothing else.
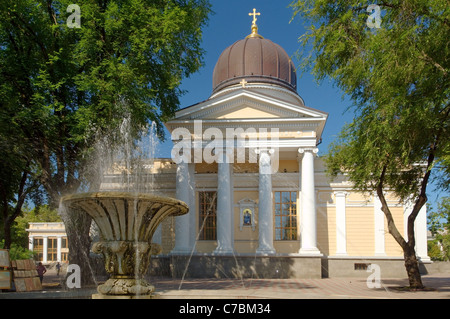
(206, 168)
(291, 166)
(326, 230)
(360, 231)
(359, 224)
(246, 168)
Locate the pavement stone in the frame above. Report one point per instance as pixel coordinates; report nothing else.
(438, 287)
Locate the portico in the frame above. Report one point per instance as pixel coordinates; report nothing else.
(283, 131)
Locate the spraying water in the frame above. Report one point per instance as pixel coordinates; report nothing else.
(120, 202)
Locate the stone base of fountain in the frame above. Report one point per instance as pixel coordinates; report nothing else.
(101, 296)
(126, 288)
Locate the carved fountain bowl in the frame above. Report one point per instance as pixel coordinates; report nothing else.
(127, 222)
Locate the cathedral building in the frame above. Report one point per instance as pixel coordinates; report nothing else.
(260, 203)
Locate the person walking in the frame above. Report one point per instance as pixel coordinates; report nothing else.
(58, 268)
(41, 271)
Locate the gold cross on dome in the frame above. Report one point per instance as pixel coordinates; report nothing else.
(254, 33)
(243, 83)
(254, 14)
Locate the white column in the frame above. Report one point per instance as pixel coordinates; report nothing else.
(380, 249)
(31, 243)
(224, 208)
(265, 205)
(341, 232)
(182, 231)
(192, 208)
(58, 248)
(308, 233)
(45, 249)
(420, 232)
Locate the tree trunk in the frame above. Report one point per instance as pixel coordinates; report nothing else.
(7, 234)
(409, 253)
(412, 268)
(77, 228)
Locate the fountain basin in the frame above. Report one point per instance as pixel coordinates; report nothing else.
(127, 222)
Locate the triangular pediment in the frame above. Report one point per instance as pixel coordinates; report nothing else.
(245, 104)
(249, 111)
(253, 109)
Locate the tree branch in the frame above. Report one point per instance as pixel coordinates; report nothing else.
(427, 58)
(385, 208)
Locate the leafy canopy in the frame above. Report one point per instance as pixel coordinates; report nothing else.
(61, 86)
(397, 77)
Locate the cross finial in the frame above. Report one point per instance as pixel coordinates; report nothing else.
(254, 33)
(254, 14)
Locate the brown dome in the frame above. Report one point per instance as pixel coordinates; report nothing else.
(254, 59)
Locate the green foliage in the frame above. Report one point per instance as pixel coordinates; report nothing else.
(434, 252)
(439, 225)
(17, 252)
(61, 86)
(19, 235)
(397, 77)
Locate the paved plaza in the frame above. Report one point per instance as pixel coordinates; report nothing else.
(438, 287)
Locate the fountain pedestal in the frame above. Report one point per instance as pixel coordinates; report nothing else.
(127, 222)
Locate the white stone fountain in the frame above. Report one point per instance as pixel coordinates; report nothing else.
(127, 222)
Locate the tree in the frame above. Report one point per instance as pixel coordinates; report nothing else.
(128, 57)
(18, 248)
(62, 85)
(397, 78)
(16, 180)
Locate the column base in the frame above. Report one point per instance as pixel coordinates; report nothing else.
(425, 259)
(221, 251)
(340, 254)
(181, 252)
(310, 252)
(380, 255)
(265, 252)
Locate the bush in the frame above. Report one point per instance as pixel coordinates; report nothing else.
(18, 252)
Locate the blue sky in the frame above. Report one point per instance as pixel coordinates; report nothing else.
(229, 23)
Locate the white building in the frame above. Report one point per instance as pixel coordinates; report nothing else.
(48, 241)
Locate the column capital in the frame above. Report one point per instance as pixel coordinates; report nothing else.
(302, 150)
(340, 193)
(260, 151)
(265, 161)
